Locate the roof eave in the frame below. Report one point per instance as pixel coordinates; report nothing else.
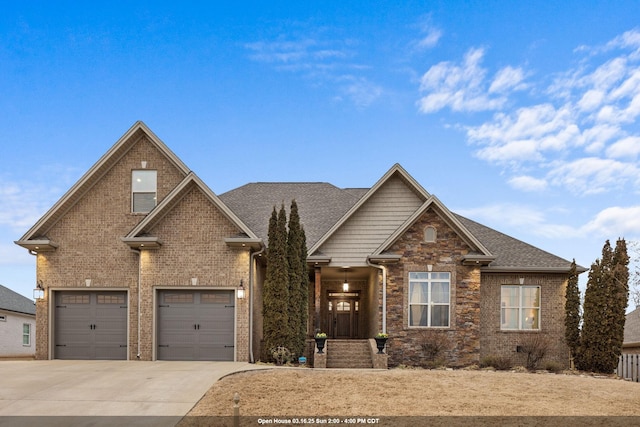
(318, 260)
(384, 259)
(244, 243)
(483, 260)
(500, 269)
(146, 242)
(37, 245)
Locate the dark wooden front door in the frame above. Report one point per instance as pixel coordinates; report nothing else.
(343, 315)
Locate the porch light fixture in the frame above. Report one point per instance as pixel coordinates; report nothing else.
(38, 292)
(87, 282)
(241, 290)
(345, 285)
(194, 281)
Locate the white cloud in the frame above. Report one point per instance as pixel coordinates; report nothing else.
(322, 61)
(528, 183)
(462, 87)
(525, 135)
(614, 222)
(431, 39)
(593, 175)
(584, 136)
(509, 214)
(506, 79)
(625, 148)
(361, 91)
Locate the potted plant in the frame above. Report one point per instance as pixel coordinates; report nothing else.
(320, 338)
(381, 340)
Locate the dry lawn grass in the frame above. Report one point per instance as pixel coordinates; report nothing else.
(283, 392)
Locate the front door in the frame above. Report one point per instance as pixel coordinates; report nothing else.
(343, 315)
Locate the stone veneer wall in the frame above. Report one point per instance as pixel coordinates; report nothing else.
(496, 342)
(444, 255)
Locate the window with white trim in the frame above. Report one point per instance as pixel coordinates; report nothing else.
(429, 299)
(26, 334)
(143, 190)
(519, 307)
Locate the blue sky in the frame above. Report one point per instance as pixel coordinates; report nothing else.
(519, 115)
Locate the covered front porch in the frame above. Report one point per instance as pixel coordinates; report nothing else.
(345, 302)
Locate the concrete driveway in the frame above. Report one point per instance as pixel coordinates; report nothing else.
(159, 393)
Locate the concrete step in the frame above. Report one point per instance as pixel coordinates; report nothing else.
(355, 354)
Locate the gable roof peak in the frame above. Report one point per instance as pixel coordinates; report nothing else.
(395, 170)
(95, 173)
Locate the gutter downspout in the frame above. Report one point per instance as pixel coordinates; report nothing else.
(384, 293)
(251, 279)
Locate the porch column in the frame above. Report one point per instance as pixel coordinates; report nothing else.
(317, 283)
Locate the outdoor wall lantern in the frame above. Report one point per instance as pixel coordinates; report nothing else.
(38, 292)
(241, 290)
(345, 285)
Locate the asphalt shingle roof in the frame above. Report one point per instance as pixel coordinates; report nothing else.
(321, 205)
(13, 301)
(511, 252)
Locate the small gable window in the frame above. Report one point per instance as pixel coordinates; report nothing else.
(143, 190)
(429, 234)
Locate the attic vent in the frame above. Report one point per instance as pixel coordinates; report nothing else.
(429, 234)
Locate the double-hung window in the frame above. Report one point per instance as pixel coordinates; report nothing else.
(26, 334)
(520, 307)
(429, 299)
(143, 190)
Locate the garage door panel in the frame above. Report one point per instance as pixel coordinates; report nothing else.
(90, 325)
(196, 325)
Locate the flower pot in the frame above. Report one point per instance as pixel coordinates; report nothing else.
(380, 343)
(320, 344)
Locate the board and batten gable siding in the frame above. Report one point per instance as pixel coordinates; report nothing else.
(386, 210)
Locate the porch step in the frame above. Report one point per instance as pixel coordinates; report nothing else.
(348, 354)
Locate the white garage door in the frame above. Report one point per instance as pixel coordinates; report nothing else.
(196, 325)
(90, 325)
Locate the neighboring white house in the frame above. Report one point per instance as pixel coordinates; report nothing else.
(17, 324)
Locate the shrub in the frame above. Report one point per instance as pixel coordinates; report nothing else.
(434, 344)
(535, 346)
(500, 363)
(552, 366)
(281, 355)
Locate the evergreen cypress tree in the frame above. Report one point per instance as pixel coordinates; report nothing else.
(594, 326)
(572, 312)
(605, 303)
(295, 273)
(304, 291)
(276, 286)
(618, 298)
